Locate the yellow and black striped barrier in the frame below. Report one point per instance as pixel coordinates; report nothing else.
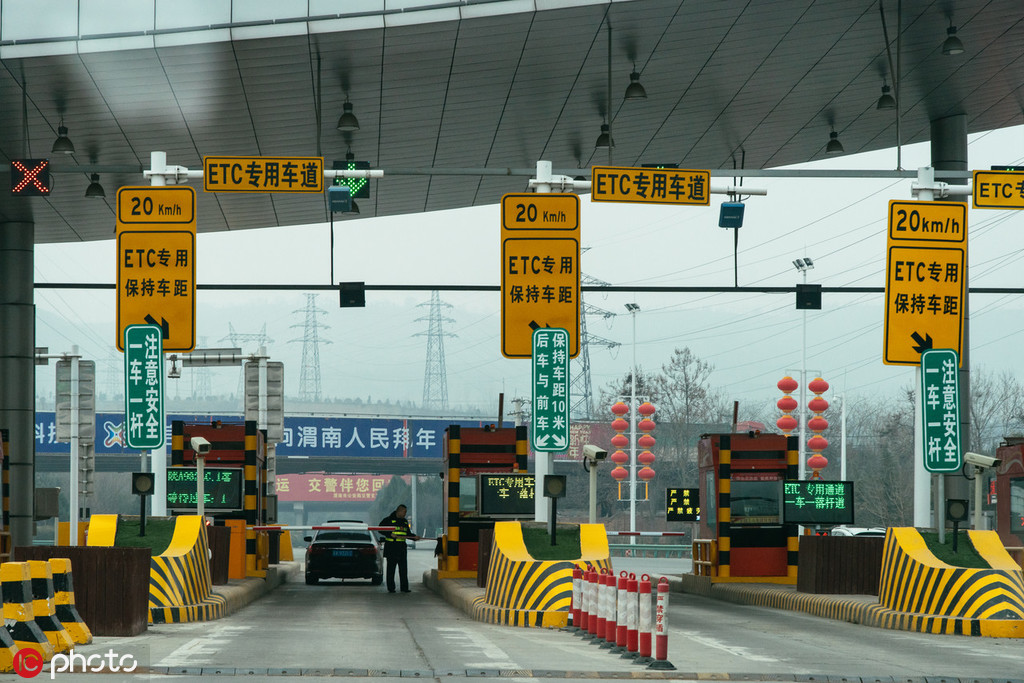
(16, 588)
(522, 591)
(43, 608)
(64, 602)
(179, 584)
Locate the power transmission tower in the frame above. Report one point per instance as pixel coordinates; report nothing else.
(435, 376)
(237, 339)
(580, 388)
(309, 377)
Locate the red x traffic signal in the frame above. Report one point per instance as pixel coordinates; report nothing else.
(30, 177)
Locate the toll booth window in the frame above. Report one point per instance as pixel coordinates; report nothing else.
(1017, 505)
(758, 455)
(756, 502)
(467, 493)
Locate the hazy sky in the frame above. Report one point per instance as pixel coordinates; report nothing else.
(752, 339)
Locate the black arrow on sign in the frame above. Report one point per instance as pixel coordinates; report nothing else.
(534, 325)
(164, 325)
(922, 344)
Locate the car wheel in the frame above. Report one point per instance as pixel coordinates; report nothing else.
(311, 580)
(377, 579)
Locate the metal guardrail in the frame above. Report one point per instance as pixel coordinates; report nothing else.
(648, 550)
(705, 557)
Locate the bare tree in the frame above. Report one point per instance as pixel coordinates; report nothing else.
(997, 409)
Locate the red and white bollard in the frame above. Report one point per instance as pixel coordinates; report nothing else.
(602, 607)
(611, 625)
(621, 609)
(591, 589)
(577, 597)
(632, 607)
(661, 629)
(644, 622)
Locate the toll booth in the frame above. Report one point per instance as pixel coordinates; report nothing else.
(469, 453)
(1010, 492)
(236, 486)
(741, 486)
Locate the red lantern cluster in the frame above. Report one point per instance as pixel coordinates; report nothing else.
(645, 458)
(619, 441)
(817, 425)
(646, 441)
(787, 404)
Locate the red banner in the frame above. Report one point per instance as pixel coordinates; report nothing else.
(330, 487)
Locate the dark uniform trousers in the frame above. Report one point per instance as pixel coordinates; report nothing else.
(395, 553)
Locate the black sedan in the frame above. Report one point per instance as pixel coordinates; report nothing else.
(350, 552)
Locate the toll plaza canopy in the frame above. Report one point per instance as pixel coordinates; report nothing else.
(474, 84)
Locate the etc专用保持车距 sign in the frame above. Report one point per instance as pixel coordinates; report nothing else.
(156, 264)
(926, 262)
(540, 274)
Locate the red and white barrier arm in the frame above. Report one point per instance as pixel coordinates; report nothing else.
(647, 533)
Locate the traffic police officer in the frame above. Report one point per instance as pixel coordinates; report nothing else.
(395, 549)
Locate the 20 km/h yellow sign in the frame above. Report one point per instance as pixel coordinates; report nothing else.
(998, 189)
(540, 273)
(156, 264)
(650, 185)
(926, 261)
(263, 174)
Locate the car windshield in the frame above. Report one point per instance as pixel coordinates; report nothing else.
(343, 536)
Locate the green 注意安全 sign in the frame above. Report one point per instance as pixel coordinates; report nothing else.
(817, 502)
(144, 386)
(940, 397)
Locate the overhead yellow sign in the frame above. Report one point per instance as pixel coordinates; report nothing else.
(263, 174)
(650, 185)
(998, 189)
(156, 263)
(926, 261)
(540, 269)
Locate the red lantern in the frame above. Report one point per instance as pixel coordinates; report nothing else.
(818, 386)
(817, 424)
(620, 441)
(817, 462)
(817, 404)
(786, 423)
(620, 409)
(619, 457)
(620, 425)
(646, 425)
(645, 474)
(645, 458)
(619, 473)
(646, 409)
(787, 404)
(787, 385)
(645, 441)
(817, 443)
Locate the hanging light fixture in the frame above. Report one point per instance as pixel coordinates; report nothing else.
(635, 91)
(62, 145)
(833, 146)
(952, 45)
(95, 189)
(348, 123)
(886, 101)
(604, 140)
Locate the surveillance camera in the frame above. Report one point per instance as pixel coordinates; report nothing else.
(979, 460)
(593, 453)
(200, 445)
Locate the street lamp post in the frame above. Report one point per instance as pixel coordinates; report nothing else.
(803, 265)
(633, 309)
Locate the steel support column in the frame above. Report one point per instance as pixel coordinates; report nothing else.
(17, 370)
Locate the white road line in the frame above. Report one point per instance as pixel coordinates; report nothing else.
(735, 651)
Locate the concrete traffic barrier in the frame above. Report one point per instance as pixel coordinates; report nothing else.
(644, 622)
(16, 588)
(661, 629)
(632, 608)
(7, 651)
(43, 606)
(64, 602)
